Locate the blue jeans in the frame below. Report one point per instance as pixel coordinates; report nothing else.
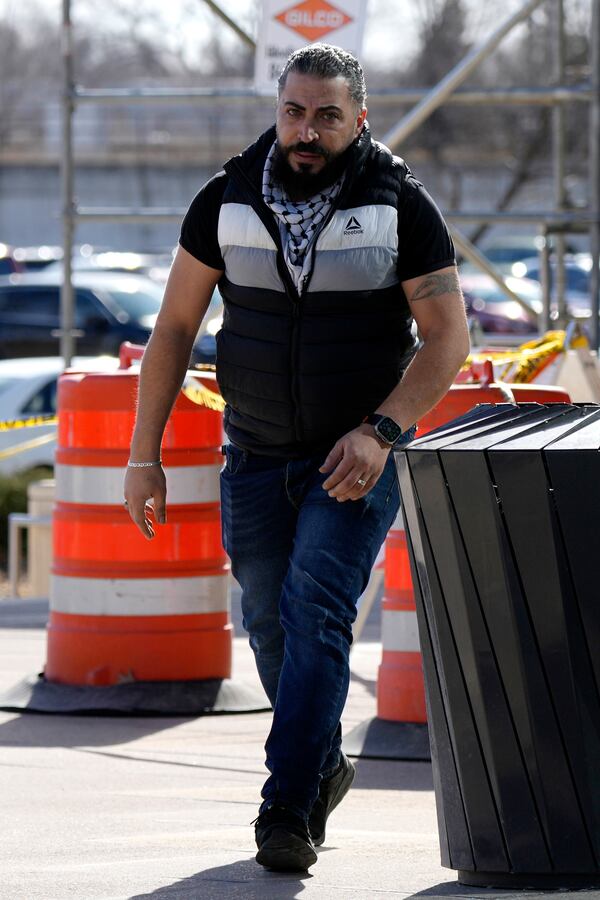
(302, 560)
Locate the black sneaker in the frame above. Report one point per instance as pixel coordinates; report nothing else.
(283, 841)
(332, 791)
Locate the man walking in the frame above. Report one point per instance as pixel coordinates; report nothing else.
(325, 249)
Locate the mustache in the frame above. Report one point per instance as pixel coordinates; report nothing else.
(314, 147)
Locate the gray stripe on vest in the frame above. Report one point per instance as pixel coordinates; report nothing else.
(252, 268)
(356, 269)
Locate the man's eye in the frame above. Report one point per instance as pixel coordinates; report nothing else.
(293, 112)
(330, 116)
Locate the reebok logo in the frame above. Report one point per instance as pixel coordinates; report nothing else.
(353, 226)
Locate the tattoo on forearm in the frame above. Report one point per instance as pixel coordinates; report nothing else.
(435, 285)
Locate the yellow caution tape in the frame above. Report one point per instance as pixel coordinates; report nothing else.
(202, 396)
(28, 445)
(521, 365)
(27, 423)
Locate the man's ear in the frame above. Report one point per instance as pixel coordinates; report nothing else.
(360, 120)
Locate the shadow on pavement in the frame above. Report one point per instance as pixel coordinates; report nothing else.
(392, 775)
(23, 613)
(369, 683)
(464, 892)
(241, 880)
(41, 730)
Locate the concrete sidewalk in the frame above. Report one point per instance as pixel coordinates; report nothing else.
(116, 809)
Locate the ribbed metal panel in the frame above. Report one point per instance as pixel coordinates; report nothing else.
(502, 510)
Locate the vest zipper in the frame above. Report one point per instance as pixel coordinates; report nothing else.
(333, 208)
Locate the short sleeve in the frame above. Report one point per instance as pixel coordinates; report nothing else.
(424, 242)
(199, 228)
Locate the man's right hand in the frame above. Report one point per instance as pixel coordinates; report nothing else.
(187, 297)
(145, 491)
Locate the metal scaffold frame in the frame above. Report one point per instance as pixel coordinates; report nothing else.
(559, 221)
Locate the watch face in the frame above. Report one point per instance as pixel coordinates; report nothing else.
(388, 430)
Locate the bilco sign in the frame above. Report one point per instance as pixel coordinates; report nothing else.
(313, 19)
(286, 26)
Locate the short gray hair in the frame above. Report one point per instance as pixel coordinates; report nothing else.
(327, 61)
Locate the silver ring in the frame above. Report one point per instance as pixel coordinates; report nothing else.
(362, 482)
(125, 503)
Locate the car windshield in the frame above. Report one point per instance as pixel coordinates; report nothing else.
(136, 301)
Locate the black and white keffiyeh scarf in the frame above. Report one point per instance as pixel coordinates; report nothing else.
(299, 220)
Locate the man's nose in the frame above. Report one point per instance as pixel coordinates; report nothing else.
(308, 133)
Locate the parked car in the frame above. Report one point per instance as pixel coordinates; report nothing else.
(28, 390)
(110, 307)
(8, 263)
(155, 265)
(578, 269)
(497, 315)
(504, 251)
(31, 259)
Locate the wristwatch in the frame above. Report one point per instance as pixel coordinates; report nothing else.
(385, 428)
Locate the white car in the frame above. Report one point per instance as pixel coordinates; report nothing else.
(28, 392)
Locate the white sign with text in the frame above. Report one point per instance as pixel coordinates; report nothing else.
(288, 25)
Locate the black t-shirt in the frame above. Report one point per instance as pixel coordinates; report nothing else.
(424, 242)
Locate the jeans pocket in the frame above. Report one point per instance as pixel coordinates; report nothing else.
(235, 458)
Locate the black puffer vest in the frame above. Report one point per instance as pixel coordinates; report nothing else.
(300, 370)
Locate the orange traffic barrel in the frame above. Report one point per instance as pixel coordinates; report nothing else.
(123, 608)
(400, 686)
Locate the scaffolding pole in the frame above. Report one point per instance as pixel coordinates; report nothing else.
(554, 223)
(545, 275)
(472, 97)
(249, 41)
(470, 252)
(65, 332)
(559, 159)
(595, 174)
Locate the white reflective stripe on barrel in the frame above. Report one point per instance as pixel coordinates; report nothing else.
(399, 630)
(139, 596)
(103, 485)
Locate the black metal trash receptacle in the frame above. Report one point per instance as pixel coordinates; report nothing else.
(502, 512)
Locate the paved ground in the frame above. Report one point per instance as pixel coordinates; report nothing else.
(123, 809)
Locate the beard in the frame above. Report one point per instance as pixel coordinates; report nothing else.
(302, 184)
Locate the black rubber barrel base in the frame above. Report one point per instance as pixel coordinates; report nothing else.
(216, 696)
(533, 882)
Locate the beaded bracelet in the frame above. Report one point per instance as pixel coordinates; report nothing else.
(143, 465)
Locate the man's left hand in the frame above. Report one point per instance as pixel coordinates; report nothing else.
(357, 460)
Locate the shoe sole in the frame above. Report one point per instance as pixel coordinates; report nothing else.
(342, 790)
(295, 856)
